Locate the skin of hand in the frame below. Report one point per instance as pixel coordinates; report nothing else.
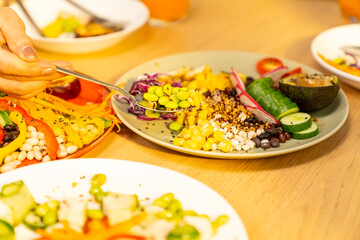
(22, 73)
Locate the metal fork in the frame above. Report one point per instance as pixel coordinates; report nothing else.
(100, 20)
(136, 99)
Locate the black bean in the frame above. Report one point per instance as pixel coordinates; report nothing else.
(9, 128)
(233, 92)
(273, 131)
(250, 119)
(7, 137)
(257, 141)
(265, 144)
(14, 135)
(228, 91)
(274, 142)
(288, 136)
(282, 137)
(264, 135)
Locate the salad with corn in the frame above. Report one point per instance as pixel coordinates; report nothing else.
(100, 215)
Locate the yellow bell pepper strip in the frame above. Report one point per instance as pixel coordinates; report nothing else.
(73, 136)
(52, 143)
(19, 120)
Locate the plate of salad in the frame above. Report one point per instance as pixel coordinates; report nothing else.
(228, 121)
(58, 123)
(91, 201)
(331, 50)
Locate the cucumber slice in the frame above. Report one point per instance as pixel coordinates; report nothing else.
(11, 188)
(4, 119)
(6, 231)
(33, 221)
(296, 122)
(18, 198)
(308, 133)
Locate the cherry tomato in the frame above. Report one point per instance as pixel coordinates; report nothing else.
(268, 64)
(296, 70)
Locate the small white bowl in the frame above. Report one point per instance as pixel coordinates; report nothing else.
(329, 43)
(131, 12)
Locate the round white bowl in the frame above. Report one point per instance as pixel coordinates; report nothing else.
(329, 43)
(131, 12)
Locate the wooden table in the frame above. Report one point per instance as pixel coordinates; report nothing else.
(310, 194)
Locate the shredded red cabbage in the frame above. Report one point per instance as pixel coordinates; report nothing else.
(141, 86)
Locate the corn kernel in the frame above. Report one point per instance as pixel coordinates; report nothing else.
(203, 114)
(199, 139)
(207, 146)
(180, 117)
(202, 123)
(194, 144)
(207, 131)
(179, 141)
(211, 140)
(218, 135)
(186, 133)
(191, 120)
(196, 132)
(58, 131)
(225, 146)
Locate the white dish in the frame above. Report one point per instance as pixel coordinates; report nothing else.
(329, 42)
(330, 119)
(55, 180)
(133, 13)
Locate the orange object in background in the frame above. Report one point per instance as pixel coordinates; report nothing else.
(350, 9)
(168, 10)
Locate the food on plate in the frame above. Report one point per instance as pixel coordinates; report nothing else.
(310, 92)
(67, 87)
(268, 64)
(69, 26)
(46, 128)
(100, 215)
(349, 63)
(273, 101)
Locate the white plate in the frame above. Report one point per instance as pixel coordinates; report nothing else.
(55, 179)
(132, 12)
(329, 42)
(330, 119)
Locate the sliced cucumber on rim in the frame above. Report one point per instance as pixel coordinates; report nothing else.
(296, 122)
(4, 119)
(308, 133)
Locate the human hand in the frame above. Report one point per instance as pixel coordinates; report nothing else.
(22, 73)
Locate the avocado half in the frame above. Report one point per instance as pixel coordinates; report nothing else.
(310, 92)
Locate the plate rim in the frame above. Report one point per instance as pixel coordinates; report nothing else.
(77, 162)
(319, 60)
(222, 155)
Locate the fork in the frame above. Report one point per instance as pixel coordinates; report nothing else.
(135, 99)
(95, 18)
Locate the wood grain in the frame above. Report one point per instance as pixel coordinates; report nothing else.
(310, 194)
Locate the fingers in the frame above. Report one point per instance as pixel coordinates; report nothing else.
(10, 64)
(25, 89)
(13, 31)
(63, 64)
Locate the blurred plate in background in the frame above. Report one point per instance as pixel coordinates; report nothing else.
(131, 12)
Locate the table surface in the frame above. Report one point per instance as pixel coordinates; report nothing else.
(310, 194)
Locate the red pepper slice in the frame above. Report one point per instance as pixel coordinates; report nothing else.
(268, 64)
(294, 71)
(2, 134)
(52, 143)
